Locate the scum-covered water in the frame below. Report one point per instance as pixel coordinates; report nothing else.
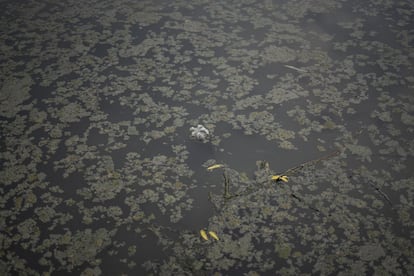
(100, 177)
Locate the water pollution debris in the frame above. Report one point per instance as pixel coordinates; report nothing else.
(200, 133)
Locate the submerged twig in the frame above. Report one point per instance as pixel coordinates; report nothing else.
(303, 201)
(226, 194)
(384, 195)
(314, 162)
(251, 189)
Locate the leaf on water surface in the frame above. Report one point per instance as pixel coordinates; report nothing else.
(216, 166)
(203, 234)
(213, 235)
(278, 177)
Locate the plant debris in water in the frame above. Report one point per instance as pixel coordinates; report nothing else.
(100, 177)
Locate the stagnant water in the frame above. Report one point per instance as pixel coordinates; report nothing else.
(99, 174)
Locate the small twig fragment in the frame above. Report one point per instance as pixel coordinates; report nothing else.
(296, 68)
(384, 195)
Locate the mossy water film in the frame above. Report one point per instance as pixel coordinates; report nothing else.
(306, 113)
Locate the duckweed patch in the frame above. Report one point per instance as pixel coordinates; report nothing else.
(99, 175)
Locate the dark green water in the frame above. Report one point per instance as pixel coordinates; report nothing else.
(99, 175)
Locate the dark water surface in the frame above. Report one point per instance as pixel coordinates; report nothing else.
(99, 174)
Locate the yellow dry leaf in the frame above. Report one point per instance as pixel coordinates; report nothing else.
(284, 178)
(275, 177)
(214, 235)
(278, 177)
(215, 166)
(203, 234)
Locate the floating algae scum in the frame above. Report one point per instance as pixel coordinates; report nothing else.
(308, 164)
